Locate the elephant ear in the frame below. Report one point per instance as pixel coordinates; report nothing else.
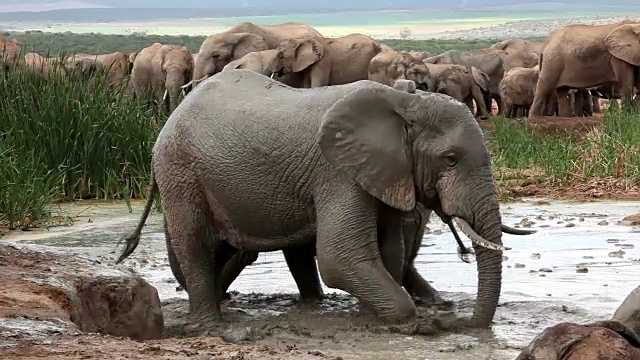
(624, 43)
(244, 43)
(364, 136)
(307, 52)
(480, 78)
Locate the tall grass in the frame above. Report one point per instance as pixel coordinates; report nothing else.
(611, 150)
(64, 138)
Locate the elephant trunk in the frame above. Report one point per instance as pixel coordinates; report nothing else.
(174, 81)
(487, 223)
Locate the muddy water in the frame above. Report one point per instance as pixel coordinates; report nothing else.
(542, 283)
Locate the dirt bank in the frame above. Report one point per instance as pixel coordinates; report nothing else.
(62, 306)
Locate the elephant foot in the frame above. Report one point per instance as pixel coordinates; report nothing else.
(436, 302)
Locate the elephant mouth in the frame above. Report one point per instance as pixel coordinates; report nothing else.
(476, 238)
(422, 86)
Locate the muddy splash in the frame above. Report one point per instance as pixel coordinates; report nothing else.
(578, 267)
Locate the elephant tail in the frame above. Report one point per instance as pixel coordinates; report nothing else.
(133, 239)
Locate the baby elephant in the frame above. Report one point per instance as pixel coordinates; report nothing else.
(615, 339)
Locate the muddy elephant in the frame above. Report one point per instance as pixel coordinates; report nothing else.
(163, 70)
(330, 161)
(463, 83)
(322, 62)
(519, 45)
(9, 53)
(389, 66)
(582, 56)
(118, 66)
(615, 339)
(220, 49)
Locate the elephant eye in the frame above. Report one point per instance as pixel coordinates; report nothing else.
(451, 160)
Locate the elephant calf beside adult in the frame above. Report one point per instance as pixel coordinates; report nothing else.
(463, 83)
(220, 49)
(329, 161)
(163, 70)
(118, 66)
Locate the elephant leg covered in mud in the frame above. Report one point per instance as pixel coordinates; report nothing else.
(615, 339)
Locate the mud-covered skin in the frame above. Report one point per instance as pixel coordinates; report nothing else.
(316, 192)
(615, 339)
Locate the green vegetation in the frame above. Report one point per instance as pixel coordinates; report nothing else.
(63, 139)
(54, 43)
(610, 150)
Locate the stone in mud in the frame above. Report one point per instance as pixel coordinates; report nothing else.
(617, 254)
(582, 270)
(519, 266)
(603, 223)
(52, 285)
(570, 225)
(631, 220)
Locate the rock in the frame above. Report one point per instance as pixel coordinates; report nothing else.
(625, 246)
(540, 202)
(612, 241)
(617, 254)
(570, 225)
(582, 270)
(519, 266)
(77, 291)
(535, 256)
(631, 220)
(587, 257)
(545, 270)
(603, 223)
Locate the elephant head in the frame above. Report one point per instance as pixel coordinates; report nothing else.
(427, 148)
(387, 67)
(220, 49)
(296, 55)
(263, 62)
(624, 44)
(177, 67)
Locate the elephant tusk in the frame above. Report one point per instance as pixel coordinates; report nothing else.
(194, 82)
(476, 238)
(166, 92)
(272, 75)
(509, 230)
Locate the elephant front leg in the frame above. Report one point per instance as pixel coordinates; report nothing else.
(391, 242)
(413, 232)
(348, 255)
(302, 265)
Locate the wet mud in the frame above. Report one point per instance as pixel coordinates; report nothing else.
(578, 267)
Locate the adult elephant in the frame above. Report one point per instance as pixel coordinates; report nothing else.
(329, 161)
(163, 70)
(323, 62)
(117, 65)
(389, 66)
(44, 66)
(519, 45)
(463, 83)
(9, 53)
(220, 49)
(615, 339)
(583, 56)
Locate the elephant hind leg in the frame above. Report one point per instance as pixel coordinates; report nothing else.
(173, 260)
(191, 232)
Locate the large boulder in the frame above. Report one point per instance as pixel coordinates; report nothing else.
(75, 292)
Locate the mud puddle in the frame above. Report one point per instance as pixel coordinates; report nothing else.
(578, 267)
